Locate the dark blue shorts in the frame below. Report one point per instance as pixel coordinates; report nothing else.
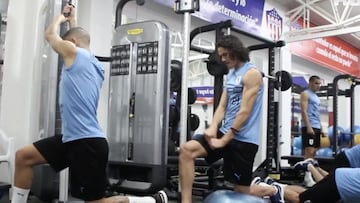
(87, 160)
(310, 140)
(238, 159)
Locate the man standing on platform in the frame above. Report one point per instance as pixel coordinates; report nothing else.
(310, 126)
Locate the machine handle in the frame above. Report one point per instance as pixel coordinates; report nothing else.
(70, 3)
(132, 106)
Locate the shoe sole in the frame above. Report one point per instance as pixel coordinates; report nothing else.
(255, 181)
(163, 196)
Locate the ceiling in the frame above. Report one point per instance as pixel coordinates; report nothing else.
(339, 18)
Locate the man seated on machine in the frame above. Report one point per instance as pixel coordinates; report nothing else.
(82, 147)
(340, 184)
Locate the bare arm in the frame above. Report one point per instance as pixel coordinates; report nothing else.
(211, 131)
(304, 98)
(65, 48)
(252, 83)
(72, 23)
(62, 47)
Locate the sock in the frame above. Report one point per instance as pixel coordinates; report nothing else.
(146, 199)
(19, 195)
(263, 184)
(308, 179)
(267, 185)
(307, 176)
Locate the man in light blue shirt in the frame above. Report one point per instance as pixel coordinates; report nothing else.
(237, 140)
(310, 123)
(340, 184)
(82, 146)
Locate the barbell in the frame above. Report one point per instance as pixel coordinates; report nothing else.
(283, 80)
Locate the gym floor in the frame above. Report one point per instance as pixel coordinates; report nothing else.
(32, 199)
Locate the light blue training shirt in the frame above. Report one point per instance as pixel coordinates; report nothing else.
(353, 155)
(250, 131)
(79, 91)
(313, 110)
(347, 182)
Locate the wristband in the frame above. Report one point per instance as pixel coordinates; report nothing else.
(233, 130)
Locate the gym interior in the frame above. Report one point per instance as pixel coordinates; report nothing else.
(289, 41)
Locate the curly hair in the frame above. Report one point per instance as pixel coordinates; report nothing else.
(235, 47)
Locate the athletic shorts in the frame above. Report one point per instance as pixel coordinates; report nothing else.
(310, 140)
(323, 191)
(87, 160)
(238, 159)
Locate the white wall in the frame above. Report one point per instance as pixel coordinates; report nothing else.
(357, 107)
(96, 16)
(284, 140)
(25, 46)
(260, 59)
(3, 6)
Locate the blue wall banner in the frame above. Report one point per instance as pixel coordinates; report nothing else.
(246, 15)
(274, 24)
(204, 91)
(205, 94)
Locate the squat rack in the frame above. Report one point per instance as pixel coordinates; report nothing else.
(272, 110)
(349, 93)
(333, 90)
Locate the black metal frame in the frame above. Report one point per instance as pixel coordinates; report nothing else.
(217, 27)
(118, 13)
(349, 93)
(272, 131)
(332, 90)
(352, 109)
(119, 9)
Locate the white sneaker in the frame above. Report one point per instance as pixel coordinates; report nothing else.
(256, 181)
(278, 197)
(161, 197)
